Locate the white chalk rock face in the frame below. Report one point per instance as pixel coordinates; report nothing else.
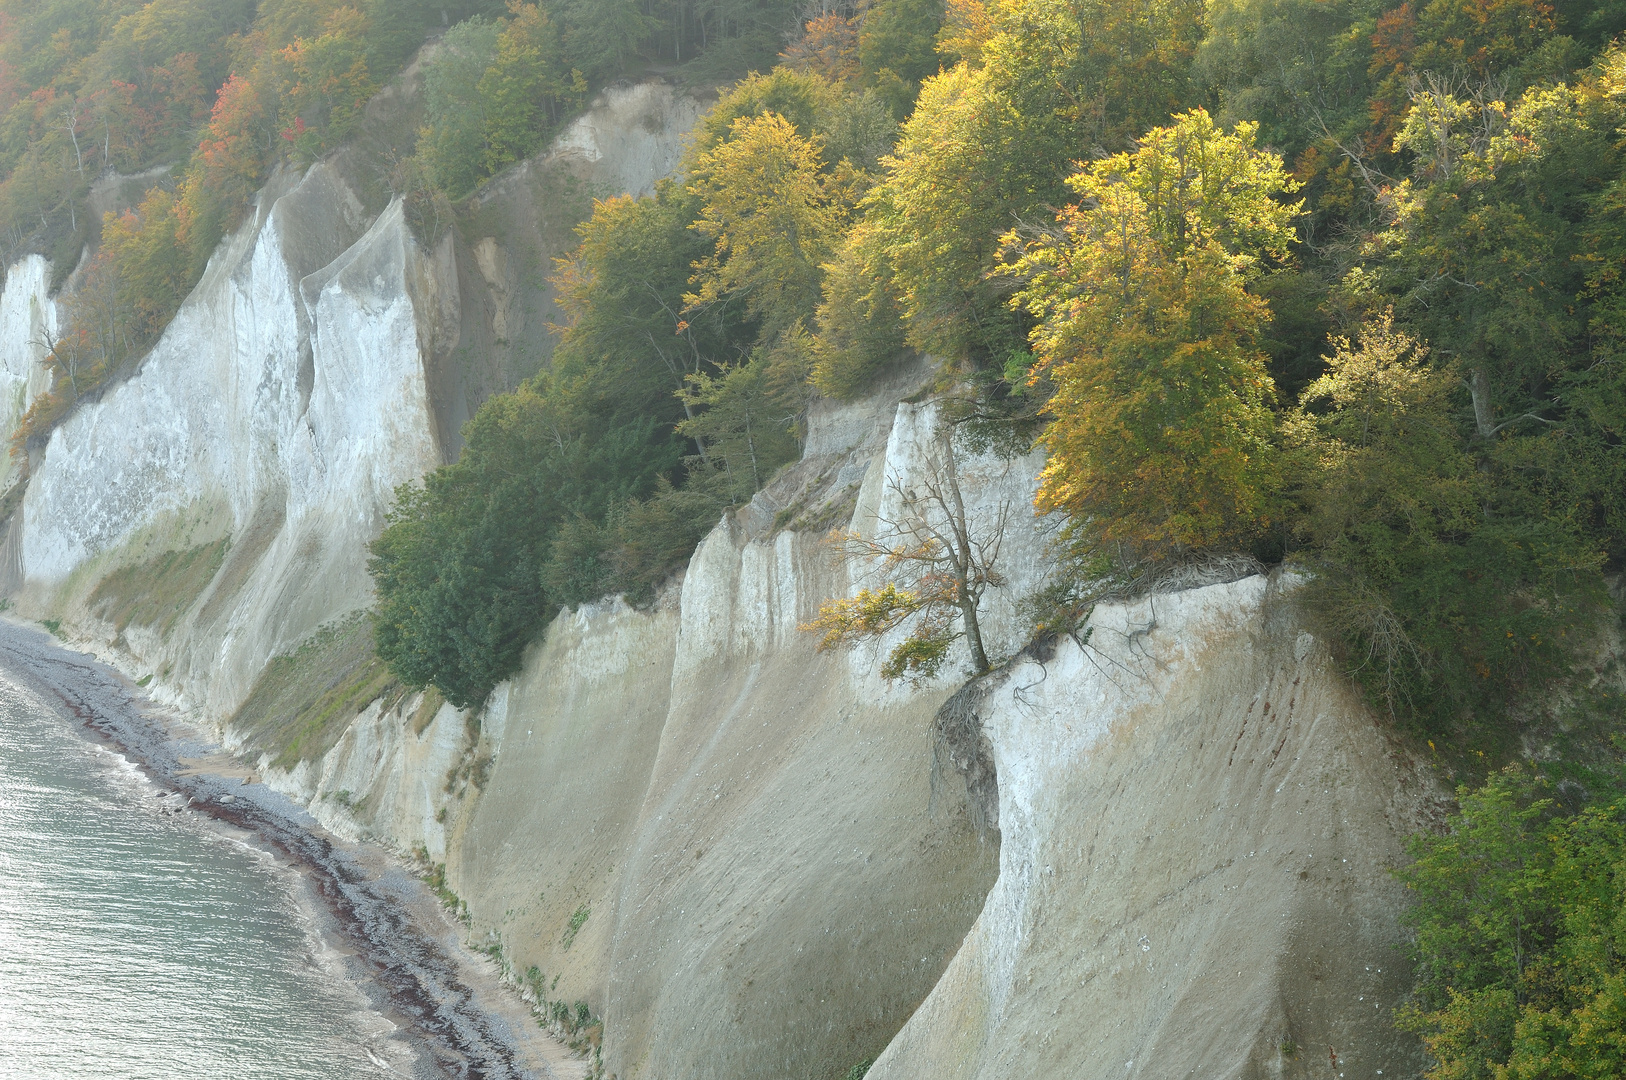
(309, 373)
(634, 132)
(1197, 819)
(385, 779)
(732, 846)
(279, 409)
(28, 321)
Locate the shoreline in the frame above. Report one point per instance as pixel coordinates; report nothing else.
(403, 951)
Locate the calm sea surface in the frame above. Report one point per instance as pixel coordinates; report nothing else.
(137, 943)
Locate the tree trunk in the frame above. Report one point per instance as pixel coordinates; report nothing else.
(1479, 390)
(964, 559)
(973, 635)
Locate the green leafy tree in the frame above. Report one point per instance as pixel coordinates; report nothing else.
(992, 143)
(452, 143)
(860, 329)
(1298, 68)
(745, 417)
(460, 569)
(602, 35)
(1489, 257)
(1518, 916)
(527, 87)
(1447, 612)
(626, 340)
(897, 48)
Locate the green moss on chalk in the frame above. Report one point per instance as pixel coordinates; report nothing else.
(158, 592)
(304, 699)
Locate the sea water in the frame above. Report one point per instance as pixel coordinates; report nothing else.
(138, 941)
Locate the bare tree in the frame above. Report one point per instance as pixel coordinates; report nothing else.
(937, 565)
(71, 115)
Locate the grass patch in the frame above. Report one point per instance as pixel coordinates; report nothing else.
(246, 552)
(159, 591)
(303, 700)
(434, 876)
(573, 1024)
(424, 714)
(577, 921)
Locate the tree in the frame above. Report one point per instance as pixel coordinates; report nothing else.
(1161, 427)
(327, 84)
(462, 569)
(1387, 488)
(1446, 611)
(1296, 67)
(992, 143)
(526, 86)
(859, 329)
(772, 223)
(1519, 913)
(897, 48)
(938, 565)
(601, 34)
(624, 333)
(827, 46)
(1494, 254)
(452, 141)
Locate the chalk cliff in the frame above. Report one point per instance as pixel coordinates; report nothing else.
(319, 363)
(1197, 818)
(1157, 850)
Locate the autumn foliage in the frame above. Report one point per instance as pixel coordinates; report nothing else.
(1162, 430)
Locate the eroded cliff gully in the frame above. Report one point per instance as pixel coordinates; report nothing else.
(1162, 850)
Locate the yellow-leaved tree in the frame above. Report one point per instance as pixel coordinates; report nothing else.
(1162, 423)
(771, 219)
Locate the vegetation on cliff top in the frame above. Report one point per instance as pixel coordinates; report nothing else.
(1354, 306)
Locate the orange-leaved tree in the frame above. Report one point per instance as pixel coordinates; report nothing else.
(1161, 422)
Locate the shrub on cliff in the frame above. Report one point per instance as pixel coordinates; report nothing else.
(1521, 935)
(461, 569)
(1448, 607)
